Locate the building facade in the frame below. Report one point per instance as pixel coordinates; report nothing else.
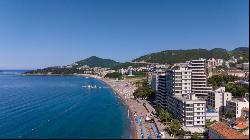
(199, 77)
(217, 99)
(236, 106)
(174, 95)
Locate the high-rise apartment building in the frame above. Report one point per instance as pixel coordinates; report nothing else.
(175, 95)
(199, 77)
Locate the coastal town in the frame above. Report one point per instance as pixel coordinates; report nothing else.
(188, 96)
(124, 69)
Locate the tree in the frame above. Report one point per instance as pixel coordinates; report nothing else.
(174, 127)
(196, 136)
(218, 81)
(114, 75)
(144, 91)
(209, 122)
(229, 114)
(237, 90)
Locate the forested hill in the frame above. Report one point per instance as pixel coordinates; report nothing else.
(94, 61)
(177, 56)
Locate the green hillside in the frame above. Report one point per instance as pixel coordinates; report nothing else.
(243, 52)
(177, 56)
(94, 61)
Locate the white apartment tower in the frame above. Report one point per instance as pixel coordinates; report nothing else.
(174, 94)
(199, 77)
(182, 81)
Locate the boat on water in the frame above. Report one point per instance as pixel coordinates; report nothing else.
(90, 86)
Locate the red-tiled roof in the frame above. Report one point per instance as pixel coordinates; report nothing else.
(227, 132)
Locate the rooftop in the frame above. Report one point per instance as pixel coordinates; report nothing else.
(227, 132)
(245, 109)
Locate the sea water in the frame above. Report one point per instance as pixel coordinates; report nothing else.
(59, 107)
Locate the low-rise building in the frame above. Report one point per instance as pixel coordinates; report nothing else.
(217, 99)
(245, 66)
(219, 130)
(236, 105)
(236, 72)
(240, 124)
(212, 114)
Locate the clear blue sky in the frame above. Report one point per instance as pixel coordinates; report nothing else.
(41, 33)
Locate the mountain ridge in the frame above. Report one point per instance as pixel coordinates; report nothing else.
(182, 55)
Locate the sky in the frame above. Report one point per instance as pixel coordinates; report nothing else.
(42, 33)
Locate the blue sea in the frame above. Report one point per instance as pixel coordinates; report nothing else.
(59, 107)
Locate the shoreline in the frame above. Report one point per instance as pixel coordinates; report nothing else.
(124, 90)
(133, 129)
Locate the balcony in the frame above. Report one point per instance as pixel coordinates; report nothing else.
(203, 78)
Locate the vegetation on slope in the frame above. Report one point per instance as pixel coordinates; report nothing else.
(55, 70)
(94, 61)
(177, 56)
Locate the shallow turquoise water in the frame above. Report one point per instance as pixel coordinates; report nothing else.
(59, 107)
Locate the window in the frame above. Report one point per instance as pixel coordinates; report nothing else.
(189, 105)
(198, 117)
(185, 72)
(198, 113)
(189, 109)
(198, 104)
(189, 118)
(198, 121)
(189, 114)
(198, 108)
